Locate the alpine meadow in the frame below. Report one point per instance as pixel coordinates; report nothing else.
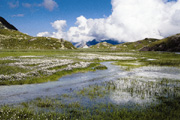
(90, 60)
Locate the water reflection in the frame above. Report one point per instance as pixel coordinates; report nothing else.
(129, 90)
(140, 85)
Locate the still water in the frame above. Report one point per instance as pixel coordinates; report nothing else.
(137, 86)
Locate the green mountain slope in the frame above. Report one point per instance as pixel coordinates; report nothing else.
(11, 39)
(170, 44)
(129, 46)
(102, 45)
(136, 45)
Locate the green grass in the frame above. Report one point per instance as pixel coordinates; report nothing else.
(100, 67)
(161, 59)
(150, 59)
(94, 92)
(129, 46)
(129, 64)
(45, 54)
(45, 78)
(6, 70)
(2, 62)
(44, 103)
(58, 67)
(170, 43)
(168, 109)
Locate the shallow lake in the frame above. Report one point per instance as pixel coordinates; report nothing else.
(140, 85)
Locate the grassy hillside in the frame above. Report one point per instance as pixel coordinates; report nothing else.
(170, 44)
(11, 39)
(129, 46)
(103, 45)
(135, 45)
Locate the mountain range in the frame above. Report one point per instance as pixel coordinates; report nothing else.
(94, 42)
(169, 44)
(11, 38)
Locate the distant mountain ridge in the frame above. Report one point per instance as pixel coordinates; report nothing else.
(169, 44)
(5, 25)
(94, 42)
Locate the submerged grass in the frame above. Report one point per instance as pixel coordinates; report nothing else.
(167, 109)
(100, 67)
(93, 92)
(129, 64)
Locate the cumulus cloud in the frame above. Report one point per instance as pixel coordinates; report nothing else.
(59, 26)
(49, 4)
(130, 20)
(81, 32)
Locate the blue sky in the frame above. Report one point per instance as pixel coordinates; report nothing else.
(29, 16)
(84, 20)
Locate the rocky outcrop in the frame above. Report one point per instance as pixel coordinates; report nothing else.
(5, 25)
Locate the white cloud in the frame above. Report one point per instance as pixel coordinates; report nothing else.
(59, 26)
(130, 20)
(49, 4)
(44, 34)
(81, 32)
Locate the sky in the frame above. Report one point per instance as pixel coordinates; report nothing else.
(85, 20)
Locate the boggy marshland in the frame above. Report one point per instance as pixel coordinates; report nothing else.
(89, 84)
